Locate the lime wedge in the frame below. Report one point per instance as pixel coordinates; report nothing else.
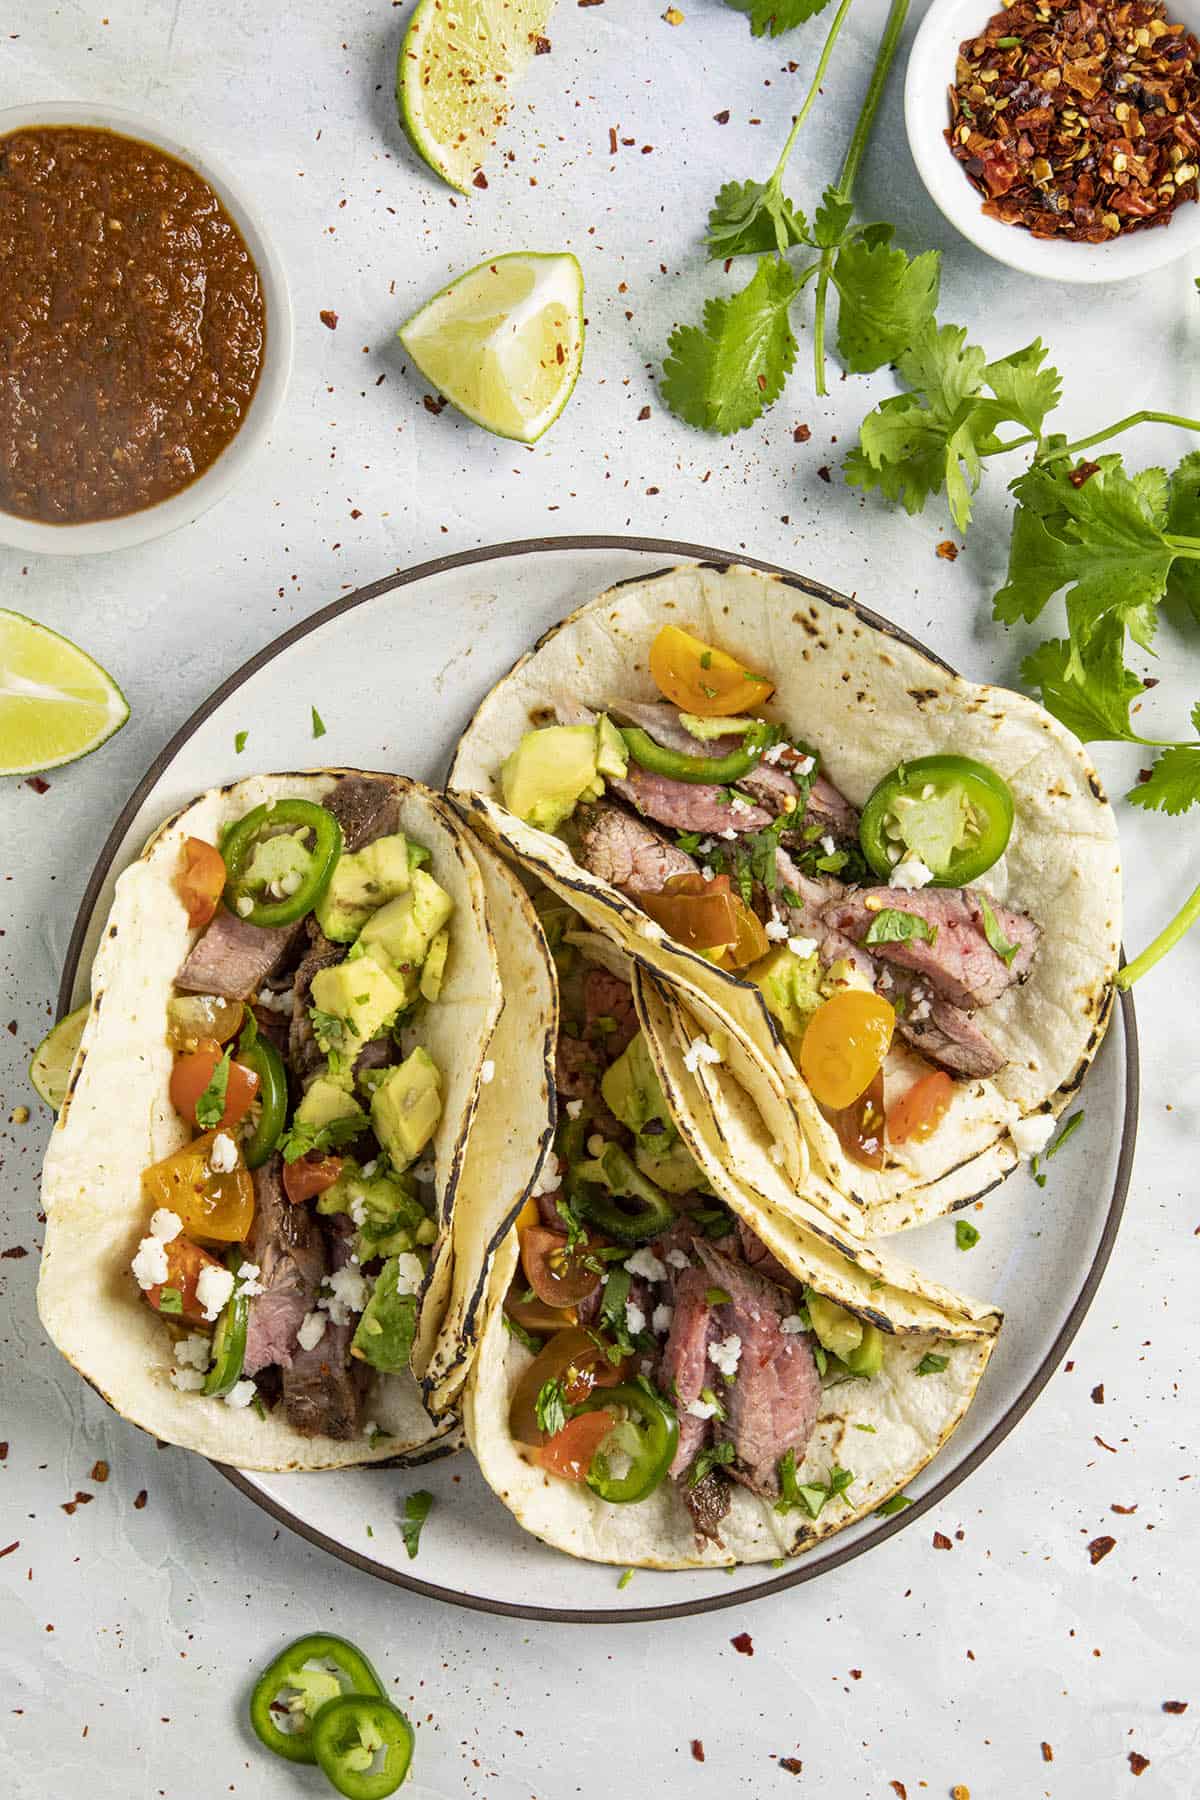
(56, 704)
(51, 1065)
(504, 343)
(459, 62)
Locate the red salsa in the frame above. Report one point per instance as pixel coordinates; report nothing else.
(132, 325)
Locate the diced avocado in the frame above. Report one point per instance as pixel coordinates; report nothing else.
(867, 1359)
(361, 992)
(612, 758)
(632, 1091)
(673, 1169)
(844, 974)
(384, 1335)
(326, 1100)
(387, 1212)
(362, 881)
(708, 729)
(406, 1108)
(791, 987)
(549, 772)
(281, 859)
(418, 855)
(403, 930)
(434, 971)
(838, 1330)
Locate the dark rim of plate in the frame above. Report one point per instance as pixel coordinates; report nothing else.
(884, 1528)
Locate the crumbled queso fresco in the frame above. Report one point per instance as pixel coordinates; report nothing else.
(660, 1319)
(548, 1178)
(223, 1155)
(213, 1288)
(776, 930)
(165, 1225)
(679, 1259)
(349, 1291)
(792, 1324)
(311, 1331)
(726, 1355)
(150, 1264)
(802, 947)
(635, 1318)
(910, 875)
(702, 1409)
(699, 1051)
(644, 1262)
(487, 1072)
(1031, 1135)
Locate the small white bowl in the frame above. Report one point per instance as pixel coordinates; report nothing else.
(181, 508)
(927, 114)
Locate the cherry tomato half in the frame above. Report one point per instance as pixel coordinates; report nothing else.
(557, 1275)
(568, 1454)
(708, 915)
(844, 1046)
(701, 679)
(310, 1175)
(571, 1357)
(185, 1264)
(200, 879)
(216, 1205)
(192, 1074)
(860, 1125)
(919, 1111)
(534, 1314)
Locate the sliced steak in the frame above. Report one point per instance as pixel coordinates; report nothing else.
(365, 808)
(756, 1256)
(577, 1067)
(941, 1031)
(835, 947)
(814, 892)
(661, 721)
(320, 1393)
(233, 958)
(773, 1401)
(273, 1026)
(606, 996)
(685, 805)
(708, 1502)
(960, 964)
(322, 953)
(831, 810)
(286, 1244)
(628, 853)
(684, 1369)
(375, 1055)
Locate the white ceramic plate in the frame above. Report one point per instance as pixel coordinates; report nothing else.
(926, 115)
(396, 670)
(178, 509)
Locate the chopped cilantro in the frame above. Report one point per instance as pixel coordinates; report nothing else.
(211, 1103)
(328, 1028)
(318, 731)
(710, 1399)
(170, 1300)
(897, 1503)
(515, 1329)
(239, 741)
(550, 1407)
(303, 1136)
(869, 1428)
(706, 660)
(995, 937)
(931, 1364)
(714, 1456)
(966, 1235)
(892, 926)
(416, 1511)
(625, 1580)
(811, 1495)
(717, 1296)
(1068, 1131)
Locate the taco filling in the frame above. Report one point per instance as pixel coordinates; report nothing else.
(720, 825)
(288, 1240)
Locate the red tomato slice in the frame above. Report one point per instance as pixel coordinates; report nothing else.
(569, 1452)
(308, 1176)
(192, 1074)
(920, 1110)
(200, 879)
(557, 1275)
(185, 1262)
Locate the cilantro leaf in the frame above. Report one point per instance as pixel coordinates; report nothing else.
(715, 1456)
(777, 16)
(811, 1495)
(1091, 693)
(1066, 1134)
(1183, 520)
(1025, 392)
(930, 1364)
(318, 724)
(302, 1136)
(417, 1508)
(239, 741)
(1174, 782)
(515, 1329)
(884, 298)
(721, 375)
(170, 1300)
(211, 1103)
(550, 1407)
(749, 217)
(916, 444)
(832, 219)
(891, 926)
(966, 1235)
(896, 1504)
(994, 935)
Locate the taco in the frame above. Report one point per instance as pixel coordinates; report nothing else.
(888, 897)
(670, 1375)
(254, 1170)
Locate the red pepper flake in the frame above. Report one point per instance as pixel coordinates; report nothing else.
(139, 1500)
(99, 1472)
(722, 118)
(644, 414)
(898, 1788)
(1099, 1548)
(856, 1674)
(1111, 1448)
(1138, 1763)
(328, 319)
(612, 140)
(792, 1764)
(589, 2)
(652, 490)
(823, 472)
(697, 1750)
(1082, 473)
(1078, 120)
(948, 550)
(9, 1548)
(941, 1541)
(541, 45)
(1047, 1753)
(1124, 1509)
(1098, 1394)
(743, 1643)
(14, 1254)
(432, 405)
(39, 784)
(355, 512)
(4, 1450)
(1174, 1706)
(802, 434)
(479, 179)
(12, 1026)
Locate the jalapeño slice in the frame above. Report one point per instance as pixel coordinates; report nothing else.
(350, 1666)
(954, 814)
(647, 1437)
(243, 839)
(347, 1733)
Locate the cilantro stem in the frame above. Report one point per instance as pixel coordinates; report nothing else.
(1137, 418)
(1166, 940)
(839, 19)
(884, 58)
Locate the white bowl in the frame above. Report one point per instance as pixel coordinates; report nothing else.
(181, 508)
(926, 116)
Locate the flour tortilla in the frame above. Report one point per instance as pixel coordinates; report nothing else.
(117, 1119)
(911, 1416)
(867, 701)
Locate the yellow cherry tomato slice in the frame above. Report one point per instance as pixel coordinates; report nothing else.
(698, 678)
(216, 1205)
(844, 1046)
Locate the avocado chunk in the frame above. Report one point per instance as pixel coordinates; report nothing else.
(674, 1169)
(326, 1100)
(633, 1092)
(612, 758)
(434, 971)
(407, 1106)
(791, 987)
(867, 1359)
(837, 1330)
(401, 932)
(708, 729)
(384, 1335)
(389, 1216)
(361, 994)
(549, 772)
(362, 881)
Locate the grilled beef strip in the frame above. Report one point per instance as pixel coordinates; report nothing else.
(773, 1402)
(286, 1243)
(365, 808)
(233, 958)
(960, 964)
(685, 805)
(683, 1370)
(607, 998)
(320, 1392)
(708, 1502)
(626, 852)
(304, 1054)
(942, 1032)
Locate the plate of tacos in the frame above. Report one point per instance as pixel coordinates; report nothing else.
(616, 1095)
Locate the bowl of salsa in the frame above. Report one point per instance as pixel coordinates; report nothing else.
(145, 330)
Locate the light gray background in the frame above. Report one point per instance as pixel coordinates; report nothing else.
(129, 1633)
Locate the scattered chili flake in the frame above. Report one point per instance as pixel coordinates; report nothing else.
(941, 1541)
(898, 1788)
(1138, 1763)
(9, 1548)
(948, 550)
(479, 179)
(612, 140)
(1078, 119)
(99, 1472)
(14, 1254)
(590, 2)
(1175, 1706)
(802, 434)
(722, 118)
(673, 16)
(541, 45)
(432, 405)
(1124, 1509)
(697, 1750)
(960, 1791)
(328, 319)
(1099, 1548)
(139, 1500)
(1047, 1753)
(644, 414)
(823, 472)
(39, 784)
(1082, 473)
(792, 1764)
(743, 1643)
(1098, 1394)
(4, 1450)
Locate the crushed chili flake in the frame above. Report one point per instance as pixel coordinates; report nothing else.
(899, 1789)
(432, 405)
(1079, 119)
(1098, 1394)
(1175, 1706)
(941, 1541)
(802, 434)
(1124, 1509)
(1099, 1548)
(697, 1750)
(479, 179)
(9, 1548)
(139, 1499)
(644, 414)
(99, 1471)
(13, 1254)
(541, 45)
(792, 1764)
(722, 118)
(1047, 1753)
(38, 783)
(948, 550)
(823, 472)
(743, 1643)
(1082, 473)
(328, 319)
(1138, 1763)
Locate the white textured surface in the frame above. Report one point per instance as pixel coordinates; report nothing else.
(160, 1615)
